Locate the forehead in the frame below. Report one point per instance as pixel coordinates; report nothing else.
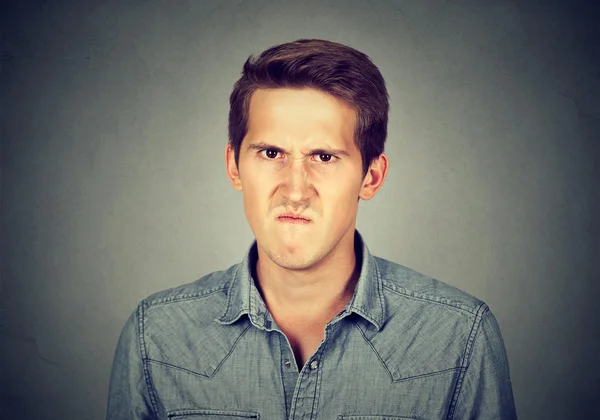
(300, 112)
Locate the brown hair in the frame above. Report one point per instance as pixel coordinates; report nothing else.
(333, 68)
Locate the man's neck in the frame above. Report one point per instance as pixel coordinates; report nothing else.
(317, 293)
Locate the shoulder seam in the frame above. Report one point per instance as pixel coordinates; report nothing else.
(433, 299)
(144, 354)
(161, 301)
(482, 309)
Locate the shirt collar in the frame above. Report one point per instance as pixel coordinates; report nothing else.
(244, 298)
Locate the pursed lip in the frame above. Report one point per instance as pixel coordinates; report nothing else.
(293, 218)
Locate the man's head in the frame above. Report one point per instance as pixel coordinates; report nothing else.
(307, 127)
(336, 69)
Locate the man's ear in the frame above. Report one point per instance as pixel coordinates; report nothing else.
(232, 170)
(374, 178)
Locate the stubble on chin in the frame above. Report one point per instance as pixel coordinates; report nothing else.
(298, 261)
(302, 257)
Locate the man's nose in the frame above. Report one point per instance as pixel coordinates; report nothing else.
(296, 183)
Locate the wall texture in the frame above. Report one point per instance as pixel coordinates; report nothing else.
(114, 187)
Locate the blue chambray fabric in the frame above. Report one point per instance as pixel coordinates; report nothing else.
(405, 347)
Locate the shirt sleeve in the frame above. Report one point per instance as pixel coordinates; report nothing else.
(129, 396)
(486, 390)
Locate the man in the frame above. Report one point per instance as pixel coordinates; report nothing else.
(310, 325)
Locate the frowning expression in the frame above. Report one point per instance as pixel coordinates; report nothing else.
(300, 172)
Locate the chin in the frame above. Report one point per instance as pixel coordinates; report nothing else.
(294, 262)
(296, 256)
(295, 249)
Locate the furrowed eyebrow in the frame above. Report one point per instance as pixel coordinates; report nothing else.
(262, 146)
(336, 152)
(324, 151)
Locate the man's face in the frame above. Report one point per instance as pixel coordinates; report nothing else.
(301, 174)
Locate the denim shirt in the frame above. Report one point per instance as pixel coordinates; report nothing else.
(405, 347)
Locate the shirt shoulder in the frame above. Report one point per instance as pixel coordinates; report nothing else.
(427, 321)
(411, 284)
(208, 285)
(179, 327)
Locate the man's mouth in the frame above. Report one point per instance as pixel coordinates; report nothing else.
(293, 218)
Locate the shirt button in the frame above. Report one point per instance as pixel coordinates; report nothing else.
(287, 363)
(314, 364)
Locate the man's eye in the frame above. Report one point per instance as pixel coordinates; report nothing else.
(270, 153)
(323, 157)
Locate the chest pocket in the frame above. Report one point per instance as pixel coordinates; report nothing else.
(208, 414)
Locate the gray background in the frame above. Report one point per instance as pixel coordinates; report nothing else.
(113, 183)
